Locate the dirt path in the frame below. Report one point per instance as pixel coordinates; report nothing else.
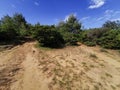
(72, 68)
(30, 78)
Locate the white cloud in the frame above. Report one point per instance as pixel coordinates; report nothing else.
(109, 15)
(84, 18)
(108, 12)
(100, 18)
(96, 4)
(36, 3)
(115, 19)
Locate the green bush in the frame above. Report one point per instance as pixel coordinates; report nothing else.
(110, 40)
(70, 30)
(49, 38)
(69, 38)
(7, 35)
(12, 29)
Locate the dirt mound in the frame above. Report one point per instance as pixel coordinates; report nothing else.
(72, 68)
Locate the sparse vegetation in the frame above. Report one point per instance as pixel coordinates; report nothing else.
(92, 66)
(96, 87)
(119, 51)
(108, 75)
(113, 87)
(93, 56)
(103, 50)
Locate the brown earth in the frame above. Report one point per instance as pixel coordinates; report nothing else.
(25, 67)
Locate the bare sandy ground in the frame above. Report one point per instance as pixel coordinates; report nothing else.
(72, 68)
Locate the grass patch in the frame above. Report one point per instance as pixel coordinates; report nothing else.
(113, 87)
(92, 66)
(83, 63)
(93, 56)
(102, 65)
(119, 51)
(103, 50)
(108, 75)
(118, 85)
(96, 87)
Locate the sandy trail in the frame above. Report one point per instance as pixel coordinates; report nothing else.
(31, 75)
(72, 68)
(30, 78)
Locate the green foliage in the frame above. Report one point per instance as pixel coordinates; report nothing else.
(70, 30)
(91, 36)
(102, 36)
(34, 30)
(20, 24)
(67, 32)
(7, 31)
(110, 39)
(112, 24)
(12, 29)
(49, 37)
(86, 39)
(71, 25)
(70, 38)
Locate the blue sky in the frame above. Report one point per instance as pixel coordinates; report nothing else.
(92, 13)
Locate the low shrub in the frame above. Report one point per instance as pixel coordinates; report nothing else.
(49, 38)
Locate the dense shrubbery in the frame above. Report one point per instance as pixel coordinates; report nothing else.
(90, 37)
(108, 36)
(112, 25)
(12, 28)
(65, 33)
(49, 37)
(70, 38)
(7, 31)
(110, 39)
(70, 30)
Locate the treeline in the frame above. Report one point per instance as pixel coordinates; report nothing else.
(12, 29)
(15, 29)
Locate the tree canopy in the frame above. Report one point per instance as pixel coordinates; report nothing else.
(68, 32)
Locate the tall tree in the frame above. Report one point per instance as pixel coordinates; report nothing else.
(19, 22)
(7, 28)
(73, 24)
(111, 24)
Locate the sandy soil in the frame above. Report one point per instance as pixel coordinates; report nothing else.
(25, 67)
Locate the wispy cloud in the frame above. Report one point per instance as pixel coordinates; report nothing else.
(36, 3)
(85, 18)
(115, 19)
(109, 15)
(96, 4)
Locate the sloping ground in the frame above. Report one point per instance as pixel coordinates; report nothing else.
(72, 68)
